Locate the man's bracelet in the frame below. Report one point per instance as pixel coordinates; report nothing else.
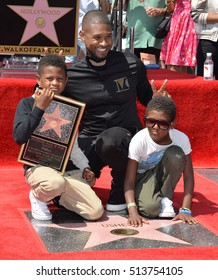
(185, 210)
(131, 204)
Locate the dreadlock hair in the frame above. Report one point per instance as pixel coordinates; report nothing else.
(51, 60)
(163, 103)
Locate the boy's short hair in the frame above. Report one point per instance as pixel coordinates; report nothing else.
(162, 103)
(51, 60)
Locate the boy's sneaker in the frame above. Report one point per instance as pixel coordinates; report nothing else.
(39, 209)
(167, 210)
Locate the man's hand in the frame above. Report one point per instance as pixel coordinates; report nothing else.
(89, 176)
(161, 91)
(61, 52)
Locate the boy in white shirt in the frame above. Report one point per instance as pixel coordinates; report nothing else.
(158, 156)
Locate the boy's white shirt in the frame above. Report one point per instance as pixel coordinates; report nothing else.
(148, 153)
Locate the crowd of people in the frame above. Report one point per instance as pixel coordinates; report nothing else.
(109, 82)
(193, 32)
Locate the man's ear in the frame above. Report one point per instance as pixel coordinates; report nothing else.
(81, 34)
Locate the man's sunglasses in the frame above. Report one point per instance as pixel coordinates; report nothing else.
(164, 125)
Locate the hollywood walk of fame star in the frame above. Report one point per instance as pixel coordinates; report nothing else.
(54, 121)
(40, 18)
(101, 231)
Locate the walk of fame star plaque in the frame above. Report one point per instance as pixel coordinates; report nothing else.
(52, 141)
(27, 26)
(68, 232)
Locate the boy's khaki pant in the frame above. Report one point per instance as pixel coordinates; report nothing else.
(75, 194)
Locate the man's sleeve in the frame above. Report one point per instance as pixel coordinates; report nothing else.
(144, 90)
(78, 157)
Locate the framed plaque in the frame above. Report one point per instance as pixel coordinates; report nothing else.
(27, 26)
(52, 141)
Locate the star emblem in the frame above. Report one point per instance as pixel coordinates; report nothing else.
(54, 121)
(40, 18)
(102, 231)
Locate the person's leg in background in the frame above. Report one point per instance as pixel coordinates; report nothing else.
(204, 47)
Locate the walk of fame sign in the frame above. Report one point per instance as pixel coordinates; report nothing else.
(52, 141)
(27, 26)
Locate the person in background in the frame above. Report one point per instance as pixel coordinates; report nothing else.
(109, 83)
(74, 187)
(158, 156)
(205, 16)
(144, 17)
(179, 47)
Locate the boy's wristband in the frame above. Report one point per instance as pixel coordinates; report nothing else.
(131, 204)
(185, 210)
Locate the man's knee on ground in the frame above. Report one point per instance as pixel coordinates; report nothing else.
(113, 142)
